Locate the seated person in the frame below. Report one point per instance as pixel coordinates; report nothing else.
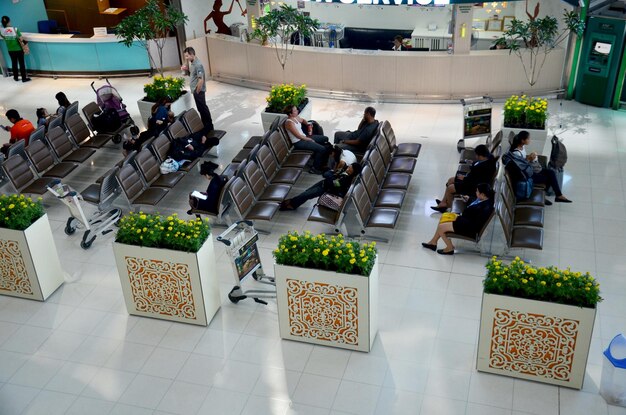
(63, 103)
(469, 223)
(339, 159)
(21, 130)
(397, 43)
(482, 171)
(213, 191)
(540, 175)
(315, 143)
(161, 117)
(357, 141)
(43, 117)
(337, 184)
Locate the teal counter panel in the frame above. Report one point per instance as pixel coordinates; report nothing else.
(75, 57)
(117, 57)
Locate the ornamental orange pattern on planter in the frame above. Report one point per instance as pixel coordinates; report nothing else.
(13, 273)
(323, 311)
(161, 287)
(533, 344)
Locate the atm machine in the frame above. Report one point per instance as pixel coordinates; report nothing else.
(600, 61)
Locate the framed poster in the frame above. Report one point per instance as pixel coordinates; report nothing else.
(506, 22)
(494, 25)
(479, 24)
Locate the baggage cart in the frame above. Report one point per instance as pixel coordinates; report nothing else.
(477, 114)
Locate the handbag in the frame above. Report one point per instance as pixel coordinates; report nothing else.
(523, 189)
(169, 166)
(330, 201)
(24, 45)
(448, 217)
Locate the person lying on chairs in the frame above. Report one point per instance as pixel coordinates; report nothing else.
(336, 184)
(468, 224)
(482, 171)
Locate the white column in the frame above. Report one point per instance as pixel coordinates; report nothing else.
(462, 36)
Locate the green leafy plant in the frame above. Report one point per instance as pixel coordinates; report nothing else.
(18, 212)
(332, 253)
(525, 112)
(156, 231)
(164, 87)
(150, 23)
(534, 39)
(284, 95)
(551, 284)
(279, 25)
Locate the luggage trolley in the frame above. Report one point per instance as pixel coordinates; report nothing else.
(100, 223)
(476, 120)
(240, 239)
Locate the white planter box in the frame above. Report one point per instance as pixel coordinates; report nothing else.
(534, 340)
(169, 285)
(29, 263)
(538, 140)
(183, 103)
(327, 308)
(267, 118)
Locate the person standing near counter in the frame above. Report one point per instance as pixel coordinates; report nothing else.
(13, 39)
(198, 87)
(397, 43)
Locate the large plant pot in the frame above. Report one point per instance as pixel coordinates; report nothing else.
(29, 263)
(534, 340)
(327, 308)
(267, 118)
(169, 285)
(183, 103)
(538, 139)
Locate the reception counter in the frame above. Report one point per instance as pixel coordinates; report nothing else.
(380, 75)
(67, 55)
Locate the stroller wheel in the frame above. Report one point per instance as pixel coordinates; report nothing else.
(117, 139)
(69, 226)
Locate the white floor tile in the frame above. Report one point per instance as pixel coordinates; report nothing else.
(50, 403)
(72, 378)
(108, 384)
(90, 406)
(36, 372)
(327, 361)
(14, 398)
(316, 390)
(277, 383)
(200, 370)
(183, 398)
(146, 391)
(356, 398)
(535, 398)
(164, 363)
(221, 401)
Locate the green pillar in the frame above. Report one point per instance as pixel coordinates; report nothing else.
(575, 58)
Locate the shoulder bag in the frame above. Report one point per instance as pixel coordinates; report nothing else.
(330, 201)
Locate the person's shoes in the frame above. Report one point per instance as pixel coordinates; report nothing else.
(286, 205)
(313, 170)
(562, 199)
(429, 246)
(16, 79)
(547, 202)
(440, 209)
(438, 201)
(26, 80)
(444, 252)
(189, 212)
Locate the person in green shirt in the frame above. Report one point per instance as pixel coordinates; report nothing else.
(13, 38)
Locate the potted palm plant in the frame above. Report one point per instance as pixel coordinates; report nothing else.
(327, 290)
(167, 268)
(150, 25)
(532, 41)
(29, 261)
(536, 322)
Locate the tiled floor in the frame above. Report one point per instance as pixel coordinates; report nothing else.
(80, 353)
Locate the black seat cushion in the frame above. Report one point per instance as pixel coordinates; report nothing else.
(408, 150)
(324, 215)
(288, 175)
(402, 165)
(80, 155)
(60, 170)
(298, 160)
(383, 218)
(391, 198)
(528, 216)
(397, 181)
(263, 211)
(151, 196)
(38, 187)
(169, 180)
(527, 238)
(275, 192)
(216, 134)
(253, 141)
(241, 155)
(92, 193)
(97, 141)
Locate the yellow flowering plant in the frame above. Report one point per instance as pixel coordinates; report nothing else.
(525, 112)
(157, 231)
(164, 87)
(551, 284)
(284, 95)
(330, 253)
(18, 212)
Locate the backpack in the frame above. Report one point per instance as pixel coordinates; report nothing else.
(558, 155)
(521, 172)
(169, 166)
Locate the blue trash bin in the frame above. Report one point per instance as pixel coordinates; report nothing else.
(613, 382)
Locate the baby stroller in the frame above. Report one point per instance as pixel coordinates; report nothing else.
(112, 117)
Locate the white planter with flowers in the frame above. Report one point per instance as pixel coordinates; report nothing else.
(543, 341)
(168, 284)
(29, 263)
(529, 114)
(279, 97)
(328, 308)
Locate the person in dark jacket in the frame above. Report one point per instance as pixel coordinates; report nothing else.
(469, 223)
(357, 141)
(337, 184)
(213, 191)
(482, 171)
